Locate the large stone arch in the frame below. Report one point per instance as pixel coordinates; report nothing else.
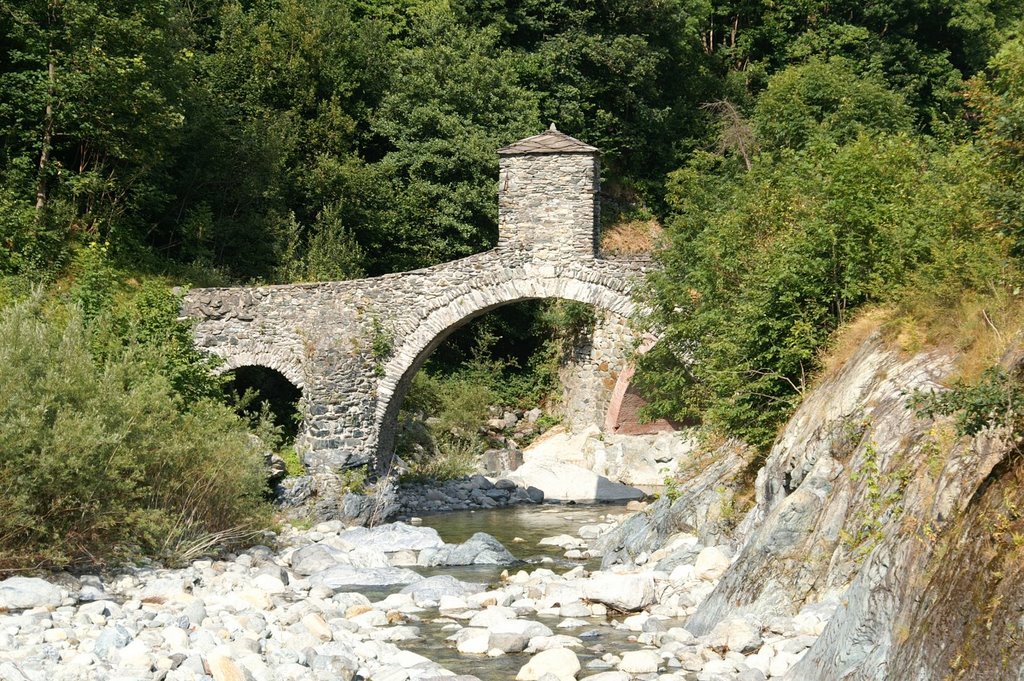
(261, 355)
(411, 353)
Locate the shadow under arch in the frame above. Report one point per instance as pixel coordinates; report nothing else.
(272, 387)
(414, 350)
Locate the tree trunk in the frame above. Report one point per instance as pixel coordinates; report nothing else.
(44, 155)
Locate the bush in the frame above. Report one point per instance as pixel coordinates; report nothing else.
(99, 462)
(454, 457)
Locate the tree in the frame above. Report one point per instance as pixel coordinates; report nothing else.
(626, 76)
(91, 96)
(455, 100)
(998, 97)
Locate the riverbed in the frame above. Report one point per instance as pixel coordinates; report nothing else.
(303, 610)
(520, 529)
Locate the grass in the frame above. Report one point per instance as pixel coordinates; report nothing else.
(292, 463)
(849, 339)
(455, 457)
(628, 237)
(979, 328)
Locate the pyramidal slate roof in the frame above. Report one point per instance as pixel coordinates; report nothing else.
(551, 141)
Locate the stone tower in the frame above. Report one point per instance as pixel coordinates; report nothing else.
(547, 196)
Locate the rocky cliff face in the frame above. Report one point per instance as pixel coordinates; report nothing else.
(910, 532)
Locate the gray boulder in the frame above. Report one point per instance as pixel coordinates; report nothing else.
(394, 537)
(111, 639)
(342, 577)
(315, 558)
(318, 557)
(433, 588)
(480, 549)
(568, 482)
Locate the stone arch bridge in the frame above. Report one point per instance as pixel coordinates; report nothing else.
(354, 346)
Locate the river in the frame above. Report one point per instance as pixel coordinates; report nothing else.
(519, 528)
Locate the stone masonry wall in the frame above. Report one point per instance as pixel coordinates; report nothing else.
(549, 202)
(354, 346)
(589, 374)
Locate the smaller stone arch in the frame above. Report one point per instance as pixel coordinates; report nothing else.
(261, 355)
(623, 405)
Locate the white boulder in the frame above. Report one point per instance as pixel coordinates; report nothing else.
(559, 662)
(711, 564)
(20, 593)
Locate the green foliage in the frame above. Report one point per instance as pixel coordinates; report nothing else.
(458, 404)
(292, 463)
(100, 463)
(998, 97)
(353, 480)
(457, 98)
(672, 491)
(150, 317)
(825, 101)
(26, 244)
(993, 402)
(455, 457)
(570, 323)
(765, 265)
(382, 345)
(95, 282)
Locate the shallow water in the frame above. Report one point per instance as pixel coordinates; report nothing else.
(529, 524)
(519, 528)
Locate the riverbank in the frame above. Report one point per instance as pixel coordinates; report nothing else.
(332, 602)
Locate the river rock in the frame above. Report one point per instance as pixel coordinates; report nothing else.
(342, 577)
(508, 642)
(20, 593)
(736, 634)
(639, 662)
(433, 589)
(316, 558)
(711, 563)
(492, 615)
(394, 537)
(627, 592)
(471, 640)
(480, 549)
(111, 639)
(559, 662)
(527, 628)
(571, 483)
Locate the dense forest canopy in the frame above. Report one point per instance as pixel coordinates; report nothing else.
(279, 140)
(804, 160)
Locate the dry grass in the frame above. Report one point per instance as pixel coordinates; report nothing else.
(850, 337)
(979, 329)
(632, 236)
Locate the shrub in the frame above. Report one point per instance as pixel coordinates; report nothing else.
(150, 318)
(100, 463)
(454, 457)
